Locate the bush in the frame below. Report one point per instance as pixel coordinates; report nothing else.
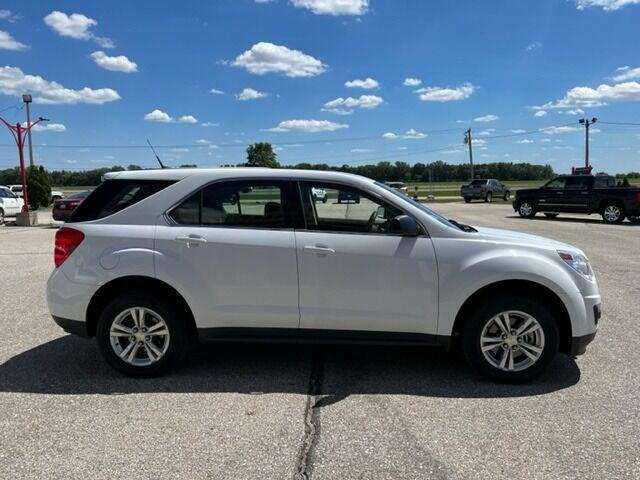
(38, 188)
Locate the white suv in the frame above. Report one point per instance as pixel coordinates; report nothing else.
(153, 260)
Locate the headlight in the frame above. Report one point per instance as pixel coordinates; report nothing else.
(578, 262)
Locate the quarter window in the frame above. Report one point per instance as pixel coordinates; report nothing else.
(344, 209)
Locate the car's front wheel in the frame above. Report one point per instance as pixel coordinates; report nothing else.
(526, 210)
(141, 335)
(1, 216)
(467, 199)
(512, 339)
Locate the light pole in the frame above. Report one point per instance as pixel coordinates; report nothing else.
(586, 122)
(26, 98)
(18, 132)
(468, 141)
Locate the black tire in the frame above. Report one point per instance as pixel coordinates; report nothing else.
(506, 196)
(551, 215)
(607, 213)
(633, 219)
(489, 197)
(467, 200)
(339, 201)
(176, 324)
(473, 328)
(324, 200)
(1, 216)
(525, 212)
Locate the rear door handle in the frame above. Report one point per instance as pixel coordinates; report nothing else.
(318, 249)
(190, 240)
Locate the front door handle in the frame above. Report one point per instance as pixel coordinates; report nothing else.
(190, 240)
(318, 249)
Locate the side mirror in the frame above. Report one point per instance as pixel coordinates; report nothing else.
(404, 225)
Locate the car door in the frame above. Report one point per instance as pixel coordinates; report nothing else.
(354, 276)
(576, 193)
(230, 250)
(10, 203)
(551, 196)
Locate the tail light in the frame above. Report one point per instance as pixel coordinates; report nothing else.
(67, 240)
(638, 196)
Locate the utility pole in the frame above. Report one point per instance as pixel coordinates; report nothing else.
(586, 122)
(18, 132)
(26, 98)
(467, 140)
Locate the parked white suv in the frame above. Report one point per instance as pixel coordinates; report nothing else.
(152, 260)
(10, 204)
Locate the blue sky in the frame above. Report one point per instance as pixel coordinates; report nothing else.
(332, 81)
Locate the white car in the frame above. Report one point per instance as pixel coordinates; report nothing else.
(10, 204)
(319, 195)
(154, 259)
(17, 189)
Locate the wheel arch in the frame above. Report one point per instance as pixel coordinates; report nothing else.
(525, 288)
(134, 283)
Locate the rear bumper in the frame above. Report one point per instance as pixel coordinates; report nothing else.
(472, 194)
(72, 326)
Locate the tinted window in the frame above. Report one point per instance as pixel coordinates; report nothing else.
(115, 195)
(346, 210)
(604, 181)
(5, 193)
(578, 183)
(479, 182)
(557, 183)
(82, 194)
(258, 204)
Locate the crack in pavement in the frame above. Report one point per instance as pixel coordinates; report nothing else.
(304, 462)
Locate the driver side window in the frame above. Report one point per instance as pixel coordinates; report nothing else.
(337, 208)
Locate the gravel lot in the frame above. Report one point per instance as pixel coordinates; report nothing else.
(242, 411)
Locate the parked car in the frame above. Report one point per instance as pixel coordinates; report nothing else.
(63, 208)
(17, 189)
(580, 194)
(400, 186)
(348, 196)
(153, 259)
(485, 189)
(320, 195)
(10, 204)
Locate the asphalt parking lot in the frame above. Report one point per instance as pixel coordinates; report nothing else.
(250, 411)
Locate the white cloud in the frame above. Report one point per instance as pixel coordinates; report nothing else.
(540, 113)
(210, 124)
(158, 115)
(309, 126)
(250, 94)
(487, 118)
(575, 111)
(478, 141)
(7, 42)
(553, 130)
(361, 150)
(446, 94)
(345, 106)
(524, 141)
(9, 16)
(626, 73)
(413, 134)
(596, 97)
(265, 57)
(533, 46)
(366, 84)
(518, 130)
(389, 136)
(47, 127)
(115, 64)
(412, 82)
(76, 26)
(607, 5)
(486, 132)
(334, 7)
(215, 91)
(545, 140)
(13, 81)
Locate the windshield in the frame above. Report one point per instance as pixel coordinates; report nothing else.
(422, 207)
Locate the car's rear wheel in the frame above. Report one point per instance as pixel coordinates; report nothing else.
(612, 213)
(526, 210)
(1, 216)
(512, 339)
(467, 200)
(489, 197)
(141, 335)
(551, 215)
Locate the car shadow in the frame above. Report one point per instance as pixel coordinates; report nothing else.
(561, 219)
(72, 366)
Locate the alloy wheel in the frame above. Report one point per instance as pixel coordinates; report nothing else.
(525, 209)
(612, 213)
(512, 341)
(139, 336)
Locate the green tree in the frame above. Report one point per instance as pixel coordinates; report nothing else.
(38, 187)
(261, 154)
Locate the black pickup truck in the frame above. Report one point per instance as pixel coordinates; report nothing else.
(581, 194)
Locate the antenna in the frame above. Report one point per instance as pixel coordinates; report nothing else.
(157, 157)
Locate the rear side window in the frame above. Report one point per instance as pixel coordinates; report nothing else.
(115, 195)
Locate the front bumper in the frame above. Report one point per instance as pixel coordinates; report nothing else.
(579, 344)
(72, 326)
